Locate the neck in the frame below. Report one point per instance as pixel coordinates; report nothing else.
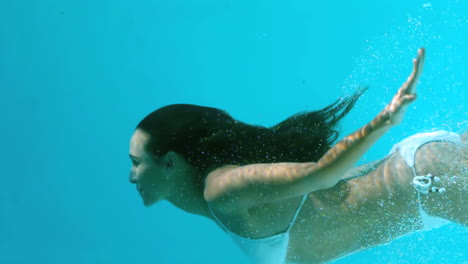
(189, 196)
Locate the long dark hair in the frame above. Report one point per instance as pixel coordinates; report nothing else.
(210, 138)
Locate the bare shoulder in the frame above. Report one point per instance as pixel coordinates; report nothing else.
(220, 177)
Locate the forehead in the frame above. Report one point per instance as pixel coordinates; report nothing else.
(138, 142)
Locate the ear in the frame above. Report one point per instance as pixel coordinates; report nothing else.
(170, 159)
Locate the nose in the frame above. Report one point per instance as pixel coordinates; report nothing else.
(132, 177)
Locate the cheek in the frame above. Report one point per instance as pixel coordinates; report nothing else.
(143, 175)
(148, 178)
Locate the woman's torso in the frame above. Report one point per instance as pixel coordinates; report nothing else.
(353, 215)
(356, 214)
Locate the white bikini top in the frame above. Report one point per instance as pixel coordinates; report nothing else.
(268, 250)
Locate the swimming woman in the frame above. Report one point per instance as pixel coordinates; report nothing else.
(284, 194)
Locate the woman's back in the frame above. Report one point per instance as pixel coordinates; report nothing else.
(375, 208)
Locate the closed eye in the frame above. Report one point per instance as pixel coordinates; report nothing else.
(135, 163)
(135, 160)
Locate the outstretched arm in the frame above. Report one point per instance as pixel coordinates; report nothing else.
(243, 187)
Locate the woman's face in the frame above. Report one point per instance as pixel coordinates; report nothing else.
(147, 173)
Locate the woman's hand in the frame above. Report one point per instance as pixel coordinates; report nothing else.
(394, 112)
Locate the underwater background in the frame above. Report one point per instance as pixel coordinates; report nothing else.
(77, 76)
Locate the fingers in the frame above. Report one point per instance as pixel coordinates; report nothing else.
(394, 112)
(419, 62)
(409, 87)
(409, 98)
(421, 55)
(406, 100)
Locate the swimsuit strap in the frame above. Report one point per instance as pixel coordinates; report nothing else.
(293, 220)
(298, 210)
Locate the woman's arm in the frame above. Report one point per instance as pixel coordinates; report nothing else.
(362, 169)
(239, 188)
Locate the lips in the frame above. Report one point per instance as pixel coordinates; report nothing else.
(139, 188)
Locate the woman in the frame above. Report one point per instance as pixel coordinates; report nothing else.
(283, 194)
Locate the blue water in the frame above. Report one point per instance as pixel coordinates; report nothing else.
(77, 76)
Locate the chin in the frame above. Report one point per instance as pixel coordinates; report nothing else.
(149, 202)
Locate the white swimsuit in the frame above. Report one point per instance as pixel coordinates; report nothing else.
(274, 249)
(407, 149)
(268, 250)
